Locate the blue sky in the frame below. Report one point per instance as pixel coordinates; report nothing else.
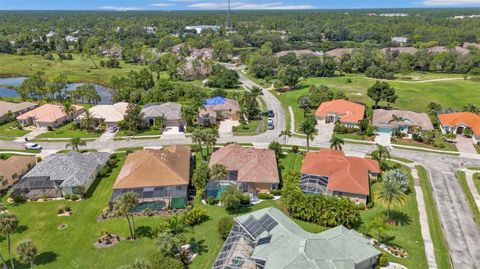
(122, 5)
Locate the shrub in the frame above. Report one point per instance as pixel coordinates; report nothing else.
(342, 129)
(61, 211)
(265, 196)
(231, 198)
(196, 216)
(360, 206)
(295, 149)
(276, 192)
(224, 226)
(382, 260)
(18, 199)
(49, 128)
(348, 80)
(212, 201)
(74, 197)
(67, 208)
(67, 196)
(48, 57)
(370, 204)
(245, 199)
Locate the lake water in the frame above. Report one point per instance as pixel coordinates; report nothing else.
(104, 92)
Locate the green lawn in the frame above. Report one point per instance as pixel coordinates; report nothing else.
(80, 69)
(248, 129)
(407, 236)
(448, 146)
(290, 162)
(67, 131)
(352, 136)
(143, 132)
(468, 193)
(401, 159)
(476, 179)
(440, 246)
(9, 133)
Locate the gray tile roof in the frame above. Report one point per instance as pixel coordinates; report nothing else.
(169, 110)
(71, 169)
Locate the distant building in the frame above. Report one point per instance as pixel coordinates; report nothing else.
(399, 39)
(346, 112)
(60, 174)
(408, 50)
(13, 168)
(393, 15)
(389, 121)
(70, 38)
(199, 28)
(268, 239)
(48, 115)
(457, 122)
(150, 29)
(15, 108)
(218, 108)
(337, 53)
(330, 172)
(299, 53)
(50, 34)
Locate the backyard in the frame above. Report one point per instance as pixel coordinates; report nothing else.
(9, 133)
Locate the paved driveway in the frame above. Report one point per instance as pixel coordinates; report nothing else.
(383, 139)
(465, 145)
(226, 127)
(324, 131)
(36, 132)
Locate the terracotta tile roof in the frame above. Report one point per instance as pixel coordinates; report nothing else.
(383, 118)
(466, 118)
(15, 165)
(169, 166)
(345, 173)
(46, 113)
(349, 111)
(253, 165)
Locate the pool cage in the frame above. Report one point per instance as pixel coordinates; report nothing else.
(237, 250)
(37, 187)
(155, 198)
(313, 184)
(214, 188)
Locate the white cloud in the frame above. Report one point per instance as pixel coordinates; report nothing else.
(450, 2)
(243, 5)
(161, 5)
(115, 8)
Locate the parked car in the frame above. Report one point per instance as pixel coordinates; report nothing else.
(270, 124)
(270, 121)
(112, 129)
(271, 114)
(32, 146)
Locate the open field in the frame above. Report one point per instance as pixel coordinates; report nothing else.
(80, 69)
(439, 244)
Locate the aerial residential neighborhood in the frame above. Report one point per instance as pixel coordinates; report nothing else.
(182, 134)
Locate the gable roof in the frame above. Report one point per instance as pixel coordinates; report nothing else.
(253, 165)
(338, 52)
(169, 166)
(349, 111)
(467, 118)
(46, 113)
(345, 173)
(15, 165)
(14, 107)
(71, 169)
(110, 113)
(291, 247)
(383, 118)
(170, 110)
(219, 104)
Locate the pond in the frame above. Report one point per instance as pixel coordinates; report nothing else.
(104, 92)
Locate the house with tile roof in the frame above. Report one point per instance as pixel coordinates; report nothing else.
(60, 174)
(252, 170)
(13, 168)
(330, 172)
(170, 110)
(158, 176)
(457, 123)
(110, 114)
(268, 239)
(218, 108)
(48, 115)
(346, 112)
(389, 121)
(15, 108)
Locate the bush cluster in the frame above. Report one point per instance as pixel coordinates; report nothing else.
(196, 216)
(265, 196)
(224, 226)
(212, 201)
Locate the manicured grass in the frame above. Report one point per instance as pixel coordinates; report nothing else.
(291, 99)
(407, 236)
(67, 131)
(80, 69)
(448, 146)
(427, 150)
(143, 132)
(440, 246)
(6, 131)
(81, 150)
(473, 167)
(468, 193)
(476, 180)
(477, 147)
(248, 129)
(130, 148)
(402, 159)
(22, 150)
(290, 162)
(352, 136)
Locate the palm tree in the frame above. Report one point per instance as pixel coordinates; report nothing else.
(198, 136)
(381, 153)
(210, 139)
(123, 206)
(472, 108)
(378, 225)
(285, 134)
(188, 113)
(75, 142)
(308, 128)
(8, 226)
(218, 172)
(336, 142)
(26, 252)
(391, 196)
(68, 108)
(87, 121)
(305, 104)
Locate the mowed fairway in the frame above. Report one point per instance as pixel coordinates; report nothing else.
(80, 69)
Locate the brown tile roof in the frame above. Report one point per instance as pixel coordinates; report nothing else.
(169, 166)
(253, 165)
(349, 111)
(46, 113)
(409, 50)
(14, 107)
(15, 165)
(337, 53)
(466, 118)
(345, 173)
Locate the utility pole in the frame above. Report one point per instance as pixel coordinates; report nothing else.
(229, 18)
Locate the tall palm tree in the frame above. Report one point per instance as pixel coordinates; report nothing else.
(391, 196)
(26, 252)
(381, 153)
(87, 121)
(336, 142)
(189, 114)
(474, 108)
(285, 134)
(305, 104)
(75, 142)
(308, 128)
(218, 172)
(68, 108)
(210, 139)
(198, 136)
(124, 206)
(8, 226)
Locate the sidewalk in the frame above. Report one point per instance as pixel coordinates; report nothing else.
(471, 185)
